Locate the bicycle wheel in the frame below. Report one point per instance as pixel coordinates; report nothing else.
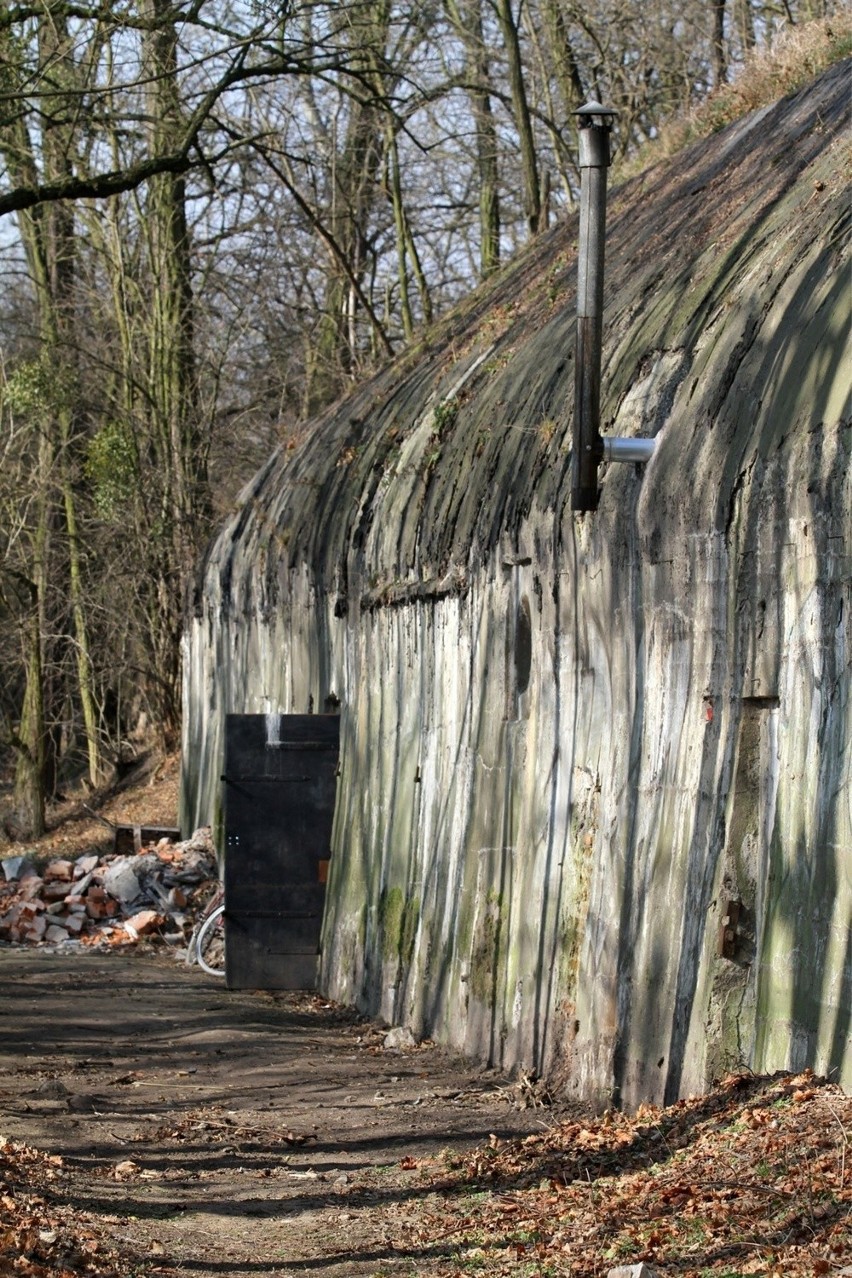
(210, 943)
(191, 956)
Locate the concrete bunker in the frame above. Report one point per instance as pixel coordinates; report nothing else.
(548, 888)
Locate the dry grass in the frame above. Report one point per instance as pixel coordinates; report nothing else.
(798, 55)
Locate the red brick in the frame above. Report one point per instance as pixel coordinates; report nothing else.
(56, 890)
(59, 870)
(144, 922)
(30, 887)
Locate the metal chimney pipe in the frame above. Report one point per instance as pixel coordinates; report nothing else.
(595, 126)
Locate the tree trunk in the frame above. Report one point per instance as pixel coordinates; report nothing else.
(57, 305)
(176, 438)
(32, 737)
(83, 658)
(345, 223)
(720, 59)
(565, 62)
(468, 21)
(48, 234)
(523, 120)
(745, 25)
(402, 235)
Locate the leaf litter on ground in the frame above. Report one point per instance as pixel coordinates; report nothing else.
(753, 1178)
(42, 1236)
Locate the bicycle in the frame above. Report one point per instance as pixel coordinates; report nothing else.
(207, 944)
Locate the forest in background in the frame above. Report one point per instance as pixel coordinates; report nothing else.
(219, 216)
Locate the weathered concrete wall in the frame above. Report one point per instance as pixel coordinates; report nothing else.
(568, 740)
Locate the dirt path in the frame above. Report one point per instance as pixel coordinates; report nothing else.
(223, 1133)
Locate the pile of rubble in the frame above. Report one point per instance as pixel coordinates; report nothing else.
(156, 892)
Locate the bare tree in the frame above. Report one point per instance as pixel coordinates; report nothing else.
(225, 215)
(720, 57)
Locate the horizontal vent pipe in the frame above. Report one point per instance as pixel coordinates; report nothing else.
(627, 450)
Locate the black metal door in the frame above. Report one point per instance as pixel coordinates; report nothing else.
(280, 785)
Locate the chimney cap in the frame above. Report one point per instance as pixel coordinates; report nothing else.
(595, 113)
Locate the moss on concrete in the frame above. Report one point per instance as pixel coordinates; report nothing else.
(398, 919)
(485, 950)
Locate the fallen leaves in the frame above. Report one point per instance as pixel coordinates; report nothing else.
(749, 1179)
(39, 1239)
(217, 1132)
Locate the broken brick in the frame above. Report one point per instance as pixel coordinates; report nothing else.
(101, 907)
(55, 890)
(59, 870)
(30, 887)
(78, 898)
(36, 928)
(144, 922)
